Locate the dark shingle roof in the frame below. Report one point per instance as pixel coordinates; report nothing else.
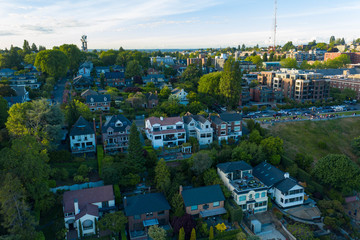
(233, 166)
(118, 123)
(98, 98)
(285, 185)
(151, 96)
(202, 195)
(199, 118)
(81, 127)
(114, 75)
(268, 174)
(215, 119)
(187, 119)
(146, 203)
(230, 117)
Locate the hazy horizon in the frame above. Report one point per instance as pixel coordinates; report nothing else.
(174, 24)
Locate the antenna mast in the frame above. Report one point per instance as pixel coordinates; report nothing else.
(275, 25)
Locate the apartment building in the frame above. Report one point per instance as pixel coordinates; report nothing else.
(263, 93)
(226, 125)
(346, 82)
(82, 137)
(247, 191)
(165, 132)
(354, 56)
(198, 127)
(285, 190)
(296, 84)
(115, 133)
(165, 60)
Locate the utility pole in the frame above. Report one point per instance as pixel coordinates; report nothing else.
(275, 25)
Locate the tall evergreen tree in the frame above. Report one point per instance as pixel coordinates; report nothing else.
(135, 150)
(182, 234)
(34, 47)
(162, 176)
(230, 83)
(193, 234)
(332, 39)
(26, 47)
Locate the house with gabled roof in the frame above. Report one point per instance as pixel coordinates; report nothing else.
(285, 190)
(181, 94)
(82, 82)
(115, 79)
(88, 92)
(199, 127)
(227, 125)
(247, 191)
(205, 201)
(6, 72)
(145, 210)
(82, 137)
(115, 133)
(98, 102)
(152, 100)
(82, 208)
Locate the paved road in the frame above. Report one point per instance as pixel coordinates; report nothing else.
(58, 93)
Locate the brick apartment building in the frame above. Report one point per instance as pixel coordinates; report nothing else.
(346, 82)
(263, 93)
(354, 56)
(227, 125)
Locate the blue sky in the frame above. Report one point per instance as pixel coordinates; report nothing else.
(175, 23)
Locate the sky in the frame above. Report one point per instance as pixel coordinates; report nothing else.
(180, 24)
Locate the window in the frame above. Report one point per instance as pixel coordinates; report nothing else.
(223, 126)
(237, 123)
(250, 196)
(236, 129)
(150, 214)
(87, 224)
(257, 195)
(193, 208)
(72, 137)
(137, 217)
(215, 204)
(263, 194)
(157, 137)
(242, 198)
(282, 200)
(110, 132)
(169, 127)
(105, 204)
(206, 126)
(223, 132)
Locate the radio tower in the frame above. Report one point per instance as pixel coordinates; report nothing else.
(275, 9)
(84, 43)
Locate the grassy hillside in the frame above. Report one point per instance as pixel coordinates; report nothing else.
(318, 138)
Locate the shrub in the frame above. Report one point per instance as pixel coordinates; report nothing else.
(100, 156)
(117, 194)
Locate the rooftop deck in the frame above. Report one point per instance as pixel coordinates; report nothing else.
(247, 183)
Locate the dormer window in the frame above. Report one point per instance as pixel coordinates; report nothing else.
(118, 124)
(91, 99)
(110, 132)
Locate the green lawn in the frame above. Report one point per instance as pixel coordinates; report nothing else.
(318, 138)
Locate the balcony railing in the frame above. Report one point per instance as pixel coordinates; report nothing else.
(83, 149)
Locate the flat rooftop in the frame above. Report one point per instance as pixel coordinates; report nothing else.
(247, 183)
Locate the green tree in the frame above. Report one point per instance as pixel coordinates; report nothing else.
(52, 62)
(304, 65)
(182, 234)
(211, 233)
(27, 160)
(108, 58)
(157, 233)
(34, 47)
(211, 177)
(265, 57)
(11, 59)
(133, 69)
(3, 112)
(162, 176)
(16, 216)
(74, 55)
(255, 60)
(304, 161)
(201, 162)
(209, 84)
(355, 143)
(26, 47)
(135, 150)
(30, 58)
(114, 222)
(165, 93)
(193, 234)
(230, 83)
(289, 63)
(6, 91)
(288, 46)
(332, 39)
(177, 204)
(196, 107)
(191, 74)
(338, 171)
(273, 147)
(36, 118)
(74, 110)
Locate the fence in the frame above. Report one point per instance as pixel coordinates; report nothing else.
(78, 186)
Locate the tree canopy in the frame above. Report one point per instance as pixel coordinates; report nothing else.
(230, 83)
(55, 63)
(74, 55)
(289, 63)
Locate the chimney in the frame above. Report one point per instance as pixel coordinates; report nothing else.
(180, 189)
(286, 175)
(76, 206)
(161, 118)
(125, 201)
(101, 123)
(94, 129)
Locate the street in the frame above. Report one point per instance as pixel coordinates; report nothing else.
(59, 90)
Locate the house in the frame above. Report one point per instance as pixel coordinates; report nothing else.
(115, 133)
(247, 191)
(152, 100)
(82, 82)
(205, 201)
(98, 102)
(100, 70)
(154, 78)
(25, 80)
(6, 72)
(181, 94)
(85, 69)
(82, 137)
(165, 131)
(227, 125)
(146, 210)
(21, 96)
(88, 92)
(285, 191)
(82, 208)
(115, 79)
(198, 127)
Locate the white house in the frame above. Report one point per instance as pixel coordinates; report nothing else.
(85, 69)
(82, 137)
(285, 190)
(247, 191)
(198, 127)
(165, 131)
(181, 94)
(82, 208)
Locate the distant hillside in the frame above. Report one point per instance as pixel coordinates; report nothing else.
(318, 138)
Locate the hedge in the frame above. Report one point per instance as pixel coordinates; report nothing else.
(117, 194)
(236, 213)
(228, 235)
(100, 157)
